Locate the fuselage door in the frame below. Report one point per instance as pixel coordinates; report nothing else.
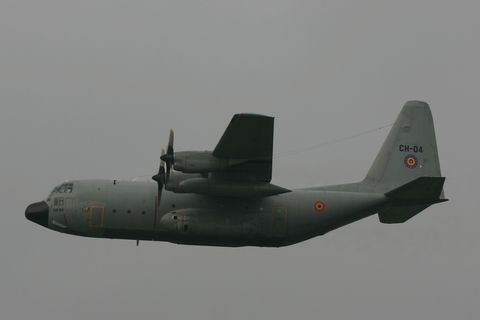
(96, 216)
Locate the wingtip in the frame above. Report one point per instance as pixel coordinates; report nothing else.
(252, 115)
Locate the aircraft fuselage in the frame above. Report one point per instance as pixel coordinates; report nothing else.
(130, 210)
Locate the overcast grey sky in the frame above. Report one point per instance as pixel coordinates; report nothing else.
(90, 89)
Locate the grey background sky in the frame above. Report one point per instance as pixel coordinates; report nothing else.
(89, 89)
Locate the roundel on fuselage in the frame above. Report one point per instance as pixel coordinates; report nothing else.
(319, 206)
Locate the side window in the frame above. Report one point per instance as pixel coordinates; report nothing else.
(58, 201)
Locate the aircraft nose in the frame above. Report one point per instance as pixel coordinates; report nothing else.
(38, 212)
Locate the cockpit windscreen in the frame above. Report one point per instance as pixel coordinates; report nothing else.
(63, 188)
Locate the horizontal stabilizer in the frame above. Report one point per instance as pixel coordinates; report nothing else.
(423, 188)
(412, 198)
(400, 214)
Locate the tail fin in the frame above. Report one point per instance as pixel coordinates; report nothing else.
(409, 151)
(407, 168)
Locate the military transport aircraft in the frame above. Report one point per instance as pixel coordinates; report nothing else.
(225, 198)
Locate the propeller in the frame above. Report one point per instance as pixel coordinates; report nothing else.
(166, 158)
(160, 177)
(169, 157)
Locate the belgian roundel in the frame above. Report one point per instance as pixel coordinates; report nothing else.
(411, 161)
(319, 206)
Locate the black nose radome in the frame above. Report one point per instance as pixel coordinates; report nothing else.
(38, 213)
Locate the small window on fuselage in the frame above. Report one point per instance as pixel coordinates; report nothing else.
(58, 201)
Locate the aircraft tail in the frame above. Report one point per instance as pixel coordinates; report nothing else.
(407, 168)
(409, 151)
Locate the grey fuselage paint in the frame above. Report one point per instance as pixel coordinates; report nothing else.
(130, 210)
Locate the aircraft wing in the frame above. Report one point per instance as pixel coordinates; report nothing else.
(239, 166)
(248, 140)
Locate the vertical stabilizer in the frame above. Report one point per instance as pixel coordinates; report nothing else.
(409, 151)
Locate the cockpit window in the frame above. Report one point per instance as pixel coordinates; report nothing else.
(63, 188)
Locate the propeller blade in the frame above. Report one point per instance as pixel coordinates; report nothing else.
(170, 143)
(169, 156)
(161, 170)
(160, 176)
(168, 160)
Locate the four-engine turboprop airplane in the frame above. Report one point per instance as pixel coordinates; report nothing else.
(225, 198)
